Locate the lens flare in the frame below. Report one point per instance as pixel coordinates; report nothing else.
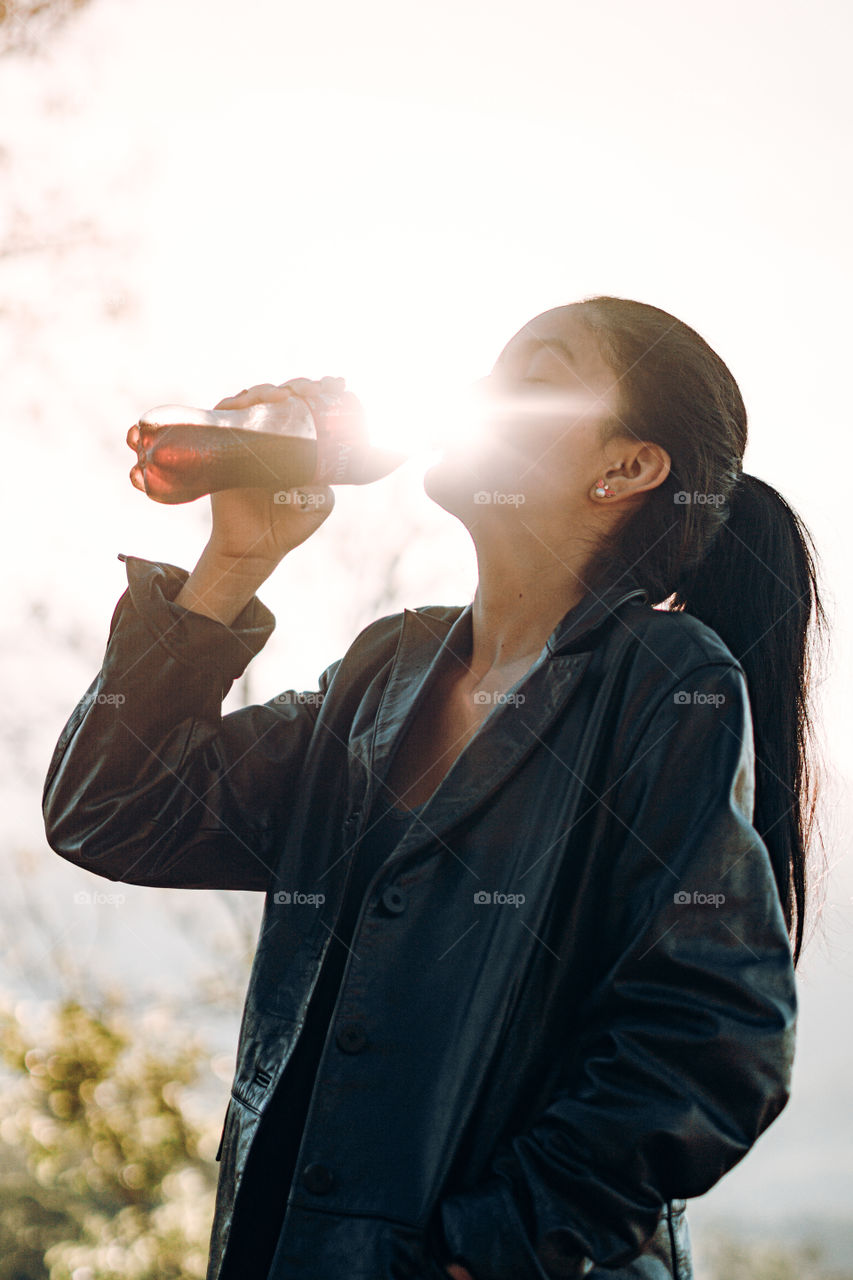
(420, 421)
(471, 416)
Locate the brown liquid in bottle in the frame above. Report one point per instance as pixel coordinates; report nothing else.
(183, 453)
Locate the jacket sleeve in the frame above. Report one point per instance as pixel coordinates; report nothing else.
(149, 784)
(681, 1054)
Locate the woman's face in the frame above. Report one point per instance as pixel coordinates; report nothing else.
(538, 437)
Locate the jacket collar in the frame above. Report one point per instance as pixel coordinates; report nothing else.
(573, 632)
(427, 645)
(571, 635)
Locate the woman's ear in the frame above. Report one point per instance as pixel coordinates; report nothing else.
(646, 466)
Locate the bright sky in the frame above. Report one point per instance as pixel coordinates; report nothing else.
(387, 192)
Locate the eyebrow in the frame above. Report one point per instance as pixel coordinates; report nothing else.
(550, 344)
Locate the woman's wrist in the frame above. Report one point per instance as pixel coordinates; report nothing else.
(220, 586)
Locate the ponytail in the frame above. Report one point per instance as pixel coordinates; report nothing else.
(756, 587)
(744, 564)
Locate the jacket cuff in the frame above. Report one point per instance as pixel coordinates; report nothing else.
(193, 639)
(484, 1233)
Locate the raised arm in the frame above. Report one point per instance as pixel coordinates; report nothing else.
(149, 783)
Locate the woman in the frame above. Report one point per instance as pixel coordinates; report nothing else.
(528, 1079)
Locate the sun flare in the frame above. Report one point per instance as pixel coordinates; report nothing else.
(469, 416)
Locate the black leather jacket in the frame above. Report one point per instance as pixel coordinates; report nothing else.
(532, 1084)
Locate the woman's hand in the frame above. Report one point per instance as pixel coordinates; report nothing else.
(458, 1273)
(249, 523)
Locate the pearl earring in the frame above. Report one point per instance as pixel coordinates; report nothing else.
(603, 490)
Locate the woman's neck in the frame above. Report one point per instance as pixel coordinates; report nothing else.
(523, 592)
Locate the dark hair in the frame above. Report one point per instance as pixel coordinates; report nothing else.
(743, 563)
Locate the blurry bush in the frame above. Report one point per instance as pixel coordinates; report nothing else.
(104, 1172)
(722, 1258)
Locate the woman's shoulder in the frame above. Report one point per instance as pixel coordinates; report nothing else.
(679, 639)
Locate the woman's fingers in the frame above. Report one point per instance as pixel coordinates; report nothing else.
(319, 386)
(265, 392)
(261, 393)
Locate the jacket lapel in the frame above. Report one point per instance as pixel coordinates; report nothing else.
(428, 646)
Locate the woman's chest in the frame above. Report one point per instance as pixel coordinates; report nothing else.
(443, 725)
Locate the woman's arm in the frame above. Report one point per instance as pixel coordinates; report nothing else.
(149, 783)
(681, 1056)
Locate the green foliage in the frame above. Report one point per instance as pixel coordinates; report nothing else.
(103, 1173)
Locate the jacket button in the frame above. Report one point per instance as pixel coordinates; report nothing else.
(351, 1037)
(318, 1178)
(393, 899)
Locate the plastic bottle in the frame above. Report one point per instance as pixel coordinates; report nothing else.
(183, 453)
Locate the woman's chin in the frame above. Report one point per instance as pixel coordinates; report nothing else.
(447, 482)
(458, 477)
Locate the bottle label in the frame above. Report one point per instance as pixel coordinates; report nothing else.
(334, 462)
(340, 433)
